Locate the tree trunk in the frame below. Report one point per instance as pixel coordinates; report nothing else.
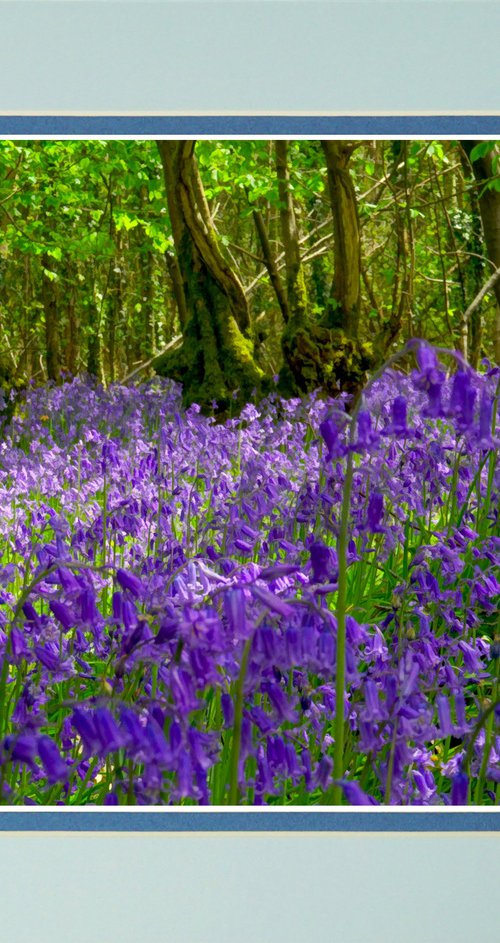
(117, 320)
(475, 264)
(26, 366)
(270, 263)
(92, 333)
(148, 332)
(73, 330)
(489, 207)
(49, 301)
(404, 264)
(172, 263)
(216, 360)
(343, 308)
(295, 281)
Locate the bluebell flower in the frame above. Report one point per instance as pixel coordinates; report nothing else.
(130, 582)
(321, 560)
(460, 789)
(330, 434)
(63, 614)
(485, 417)
(52, 761)
(324, 772)
(444, 715)
(227, 707)
(399, 411)
(375, 512)
(366, 436)
(354, 794)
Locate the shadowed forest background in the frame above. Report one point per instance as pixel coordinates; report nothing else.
(225, 263)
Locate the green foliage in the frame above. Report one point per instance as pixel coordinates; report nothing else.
(90, 219)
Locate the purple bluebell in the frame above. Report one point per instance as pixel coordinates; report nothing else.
(63, 614)
(375, 511)
(321, 560)
(399, 410)
(131, 582)
(460, 789)
(55, 767)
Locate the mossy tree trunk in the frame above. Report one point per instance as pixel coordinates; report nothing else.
(325, 353)
(216, 360)
(489, 208)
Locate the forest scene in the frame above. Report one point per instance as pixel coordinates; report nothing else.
(249, 479)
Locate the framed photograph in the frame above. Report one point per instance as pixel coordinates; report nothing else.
(249, 479)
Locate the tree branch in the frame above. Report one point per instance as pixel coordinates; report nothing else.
(150, 363)
(481, 294)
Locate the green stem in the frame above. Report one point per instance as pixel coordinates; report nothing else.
(238, 720)
(335, 796)
(338, 757)
(490, 710)
(3, 686)
(488, 730)
(390, 767)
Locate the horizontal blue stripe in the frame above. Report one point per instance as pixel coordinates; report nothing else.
(423, 125)
(252, 821)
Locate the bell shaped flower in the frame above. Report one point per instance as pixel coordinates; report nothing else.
(63, 614)
(130, 582)
(366, 435)
(375, 512)
(321, 561)
(52, 761)
(398, 415)
(460, 789)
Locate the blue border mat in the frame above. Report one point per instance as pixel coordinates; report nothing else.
(458, 125)
(251, 821)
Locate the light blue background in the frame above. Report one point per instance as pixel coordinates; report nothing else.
(271, 56)
(226, 888)
(251, 56)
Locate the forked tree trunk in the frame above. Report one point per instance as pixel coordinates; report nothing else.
(216, 359)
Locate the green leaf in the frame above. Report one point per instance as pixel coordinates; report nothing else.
(482, 149)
